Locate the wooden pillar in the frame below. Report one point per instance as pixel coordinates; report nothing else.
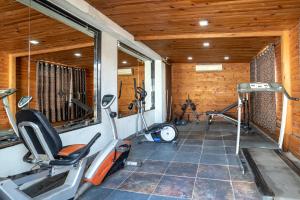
(287, 81)
(12, 81)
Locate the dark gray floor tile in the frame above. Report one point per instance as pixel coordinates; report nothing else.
(180, 187)
(153, 166)
(114, 180)
(144, 146)
(229, 137)
(237, 175)
(124, 195)
(213, 159)
(162, 155)
(182, 169)
(184, 132)
(230, 150)
(96, 193)
(213, 137)
(156, 197)
(195, 137)
(213, 150)
(213, 172)
(212, 189)
(245, 191)
(143, 154)
(140, 182)
(190, 148)
(229, 143)
(218, 143)
(232, 160)
(192, 142)
(167, 147)
(187, 157)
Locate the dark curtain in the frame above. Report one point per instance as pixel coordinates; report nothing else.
(57, 85)
(263, 105)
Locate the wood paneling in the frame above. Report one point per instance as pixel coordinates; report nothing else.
(161, 17)
(3, 85)
(240, 50)
(178, 21)
(278, 79)
(209, 91)
(128, 88)
(18, 23)
(294, 139)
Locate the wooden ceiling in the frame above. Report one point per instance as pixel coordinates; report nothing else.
(131, 61)
(239, 50)
(163, 20)
(18, 23)
(67, 57)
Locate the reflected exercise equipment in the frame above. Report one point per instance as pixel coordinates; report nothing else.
(23, 102)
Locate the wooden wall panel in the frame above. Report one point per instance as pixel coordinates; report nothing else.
(278, 78)
(128, 89)
(294, 139)
(3, 85)
(209, 91)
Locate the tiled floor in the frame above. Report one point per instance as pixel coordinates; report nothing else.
(202, 165)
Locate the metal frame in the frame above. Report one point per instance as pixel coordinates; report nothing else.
(6, 105)
(246, 88)
(11, 189)
(22, 127)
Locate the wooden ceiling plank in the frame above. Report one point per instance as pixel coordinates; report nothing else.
(210, 35)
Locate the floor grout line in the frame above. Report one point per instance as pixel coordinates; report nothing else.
(193, 192)
(231, 184)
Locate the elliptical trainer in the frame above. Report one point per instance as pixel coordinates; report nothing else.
(162, 132)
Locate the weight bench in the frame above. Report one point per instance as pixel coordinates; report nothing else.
(223, 113)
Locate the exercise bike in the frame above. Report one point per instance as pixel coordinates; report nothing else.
(46, 151)
(23, 102)
(164, 132)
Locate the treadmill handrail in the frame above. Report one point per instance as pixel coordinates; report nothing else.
(272, 87)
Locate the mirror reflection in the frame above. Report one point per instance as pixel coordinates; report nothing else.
(133, 69)
(50, 63)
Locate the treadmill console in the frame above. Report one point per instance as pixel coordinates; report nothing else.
(259, 85)
(107, 100)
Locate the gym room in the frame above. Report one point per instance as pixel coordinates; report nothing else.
(149, 100)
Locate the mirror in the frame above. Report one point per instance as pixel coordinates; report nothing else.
(14, 39)
(52, 62)
(133, 67)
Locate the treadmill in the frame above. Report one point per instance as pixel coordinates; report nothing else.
(276, 176)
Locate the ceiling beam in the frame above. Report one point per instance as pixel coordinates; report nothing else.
(209, 35)
(53, 49)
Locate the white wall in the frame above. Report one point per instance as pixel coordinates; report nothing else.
(160, 91)
(11, 158)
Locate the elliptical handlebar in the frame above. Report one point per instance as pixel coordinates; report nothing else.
(139, 92)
